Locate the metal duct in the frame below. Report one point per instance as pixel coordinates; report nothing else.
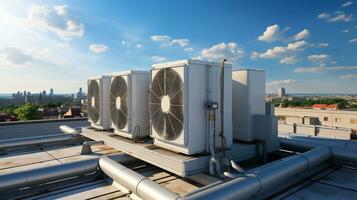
(349, 144)
(338, 152)
(43, 175)
(13, 143)
(69, 130)
(264, 178)
(136, 183)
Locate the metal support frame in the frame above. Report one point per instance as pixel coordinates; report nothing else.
(86, 148)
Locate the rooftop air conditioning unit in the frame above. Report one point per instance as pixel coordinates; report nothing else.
(179, 94)
(98, 102)
(249, 97)
(129, 99)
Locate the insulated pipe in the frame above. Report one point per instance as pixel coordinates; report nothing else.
(43, 175)
(134, 182)
(264, 178)
(338, 152)
(12, 143)
(349, 144)
(69, 130)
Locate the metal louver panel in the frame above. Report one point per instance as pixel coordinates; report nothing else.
(166, 104)
(93, 101)
(119, 102)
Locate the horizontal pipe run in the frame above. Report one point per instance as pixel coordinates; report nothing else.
(14, 143)
(134, 182)
(43, 175)
(348, 144)
(69, 130)
(265, 177)
(338, 152)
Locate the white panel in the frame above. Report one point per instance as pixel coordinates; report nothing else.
(248, 96)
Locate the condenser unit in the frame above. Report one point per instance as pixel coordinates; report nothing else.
(179, 94)
(129, 99)
(98, 102)
(249, 99)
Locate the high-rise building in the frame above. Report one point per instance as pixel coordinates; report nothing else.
(281, 92)
(44, 93)
(51, 91)
(80, 93)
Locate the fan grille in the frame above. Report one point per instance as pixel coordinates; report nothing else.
(167, 123)
(93, 101)
(118, 102)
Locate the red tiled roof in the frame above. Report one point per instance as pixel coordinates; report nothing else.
(324, 106)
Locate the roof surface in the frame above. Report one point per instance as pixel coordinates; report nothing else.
(337, 182)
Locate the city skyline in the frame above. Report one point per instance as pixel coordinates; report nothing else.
(304, 46)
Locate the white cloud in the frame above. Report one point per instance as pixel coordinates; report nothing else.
(291, 48)
(322, 69)
(320, 59)
(338, 16)
(345, 30)
(282, 82)
(161, 38)
(302, 35)
(272, 33)
(14, 56)
(218, 52)
(323, 16)
(254, 55)
(98, 48)
(289, 60)
(166, 40)
(349, 76)
(189, 49)
(125, 44)
(181, 42)
(158, 58)
(348, 3)
(322, 44)
(353, 40)
(57, 20)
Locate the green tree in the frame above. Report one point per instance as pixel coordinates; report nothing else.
(10, 110)
(27, 112)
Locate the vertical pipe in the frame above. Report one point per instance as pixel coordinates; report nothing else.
(223, 140)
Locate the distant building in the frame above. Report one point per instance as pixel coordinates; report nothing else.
(323, 117)
(7, 118)
(281, 92)
(51, 91)
(73, 112)
(44, 93)
(48, 113)
(325, 107)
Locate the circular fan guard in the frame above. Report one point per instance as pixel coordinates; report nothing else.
(119, 111)
(93, 101)
(167, 83)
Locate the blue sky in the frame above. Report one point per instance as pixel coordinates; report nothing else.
(304, 46)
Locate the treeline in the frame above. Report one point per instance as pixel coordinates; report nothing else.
(27, 111)
(342, 103)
